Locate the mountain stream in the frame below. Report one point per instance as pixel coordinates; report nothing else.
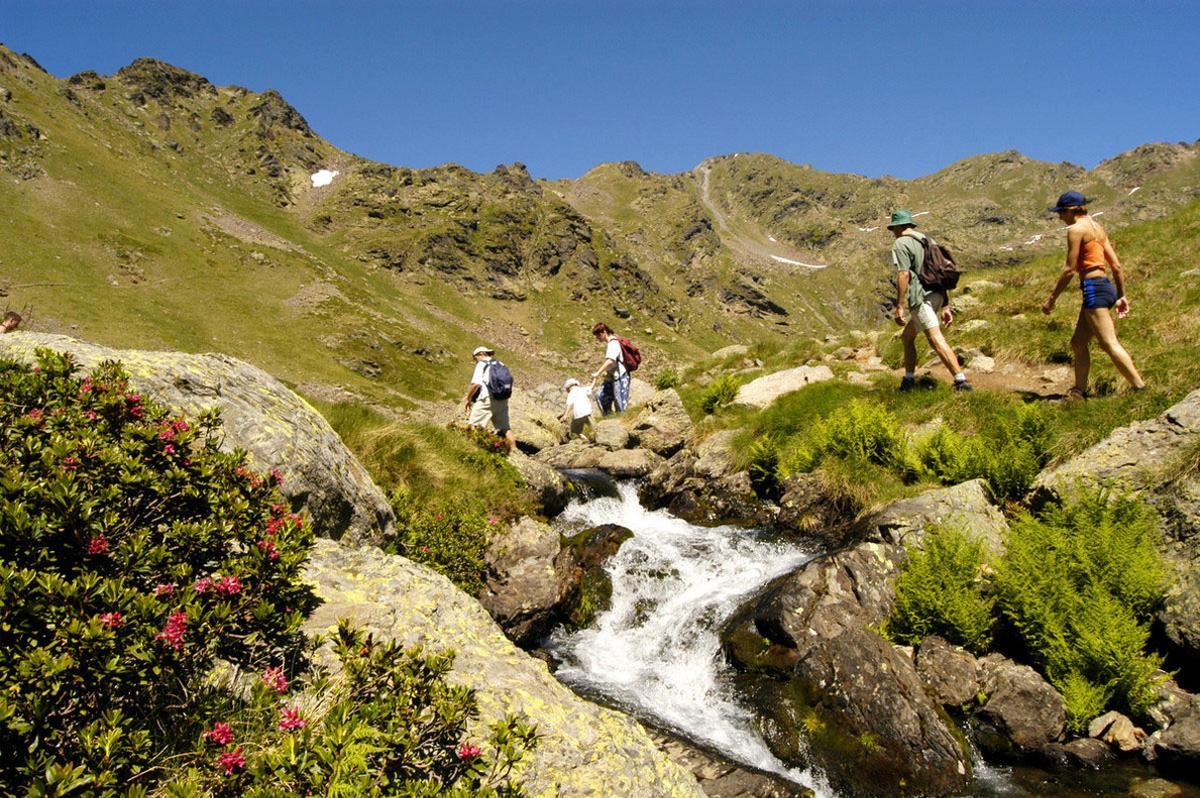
(656, 652)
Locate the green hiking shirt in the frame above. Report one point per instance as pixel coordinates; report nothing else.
(908, 254)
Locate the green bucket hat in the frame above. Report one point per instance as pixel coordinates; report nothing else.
(901, 217)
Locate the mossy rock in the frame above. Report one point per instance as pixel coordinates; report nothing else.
(591, 549)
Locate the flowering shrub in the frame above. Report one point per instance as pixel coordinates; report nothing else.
(389, 724)
(450, 539)
(134, 554)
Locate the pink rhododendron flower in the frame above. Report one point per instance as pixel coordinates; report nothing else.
(164, 589)
(424, 549)
(203, 585)
(35, 414)
(232, 761)
(276, 476)
(70, 463)
(269, 548)
(467, 751)
(220, 733)
(274, 678)
(137, 412)
(493, 521)
(168, 449)
(97, 545)
(274, 525)
(229, 585)
(289, 720)
(172, 634)
(167, 434)
(90, 415)
(180, 426)
(111, 619)
(133, 398)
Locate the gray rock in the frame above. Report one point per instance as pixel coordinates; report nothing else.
(552, 490)
(970, 325)
(857, 685)
(611, 434)
(662, 425)
(529, 575)
(982, 364)
(950, 673)
(1087, 752)
(763, 391)
(583, 750)
(1022, 713)
(628, 462)
(729, 351)
(715, 455)
(1154, 788)
(1179, 744)
(573, 454)
(965, 506)
(275, 426)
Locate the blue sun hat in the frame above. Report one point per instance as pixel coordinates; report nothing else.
(1072, 199)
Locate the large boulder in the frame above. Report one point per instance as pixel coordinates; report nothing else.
(965, 506)
(589, 550)
(611, 434)
(859, 701)
(261, 415)
(1148, 458)
(662, 425)
(583, 749)
(950, 673)
(553, 491)
(763, 391)
(529, 575)
(1021, 714)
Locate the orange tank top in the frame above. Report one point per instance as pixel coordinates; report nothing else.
(1091, 257)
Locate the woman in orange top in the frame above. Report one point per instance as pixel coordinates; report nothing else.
(1089, 253)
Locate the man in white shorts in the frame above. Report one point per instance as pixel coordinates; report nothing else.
(481, 406)
(924, 307)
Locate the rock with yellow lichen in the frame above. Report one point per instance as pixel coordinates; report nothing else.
(261, 415)
(583, 750)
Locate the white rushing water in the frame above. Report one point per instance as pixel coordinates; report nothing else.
(656, 652)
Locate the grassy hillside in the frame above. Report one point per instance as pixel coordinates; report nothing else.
(150, 208)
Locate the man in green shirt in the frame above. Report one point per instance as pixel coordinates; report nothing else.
(924, 307)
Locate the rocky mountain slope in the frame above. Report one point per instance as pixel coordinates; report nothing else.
(151, 208)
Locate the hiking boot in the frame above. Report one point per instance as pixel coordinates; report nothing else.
(907, 384)
(962, 385)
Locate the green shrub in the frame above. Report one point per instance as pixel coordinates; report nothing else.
(1083, 699)
(1079, 586)
(763, 465)
(451, 539)
(939, 593)
(719, 393)
(134, 554)
(861, 431)
(389, 724)
(666, 378)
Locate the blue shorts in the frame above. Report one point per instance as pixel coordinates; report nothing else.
(1098, 292)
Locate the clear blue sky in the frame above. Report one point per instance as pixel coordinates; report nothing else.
(900, 87)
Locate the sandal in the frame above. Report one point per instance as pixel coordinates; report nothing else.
(1076, 395)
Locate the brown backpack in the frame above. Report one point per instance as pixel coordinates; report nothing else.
(938, 270)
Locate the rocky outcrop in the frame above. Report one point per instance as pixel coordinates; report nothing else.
(705, 497)
(661, 425)
(763, 391)
(261, 415)
(950, 674)
(551, 489)
(529, 576)
(860, 702)
(1151, 458)
(583, 749)
(622, 463)
(965, 506)
(589, 550)
(1022, 714)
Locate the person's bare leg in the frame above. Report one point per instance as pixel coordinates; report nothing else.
(943, 350)
(1106, 335)
(1080, 340)
(511, 440)
(908, 337)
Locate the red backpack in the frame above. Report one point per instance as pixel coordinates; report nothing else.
(630, 355)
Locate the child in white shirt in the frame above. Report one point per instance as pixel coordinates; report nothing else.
(578, 412)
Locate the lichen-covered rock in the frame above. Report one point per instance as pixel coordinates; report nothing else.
(611, 434)
(1179, 744)
(965, 506)
(950, 673)
(763, 391)
(714, 455)
(662, 425)
(529, 575)
(574, 454)
(261, 415)
(869, 722)
(553, 491)
(629, 462)
(1022, 713)
(583, 750)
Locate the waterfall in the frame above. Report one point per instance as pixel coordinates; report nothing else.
(656, 651)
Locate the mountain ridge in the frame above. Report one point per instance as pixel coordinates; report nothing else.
(163, 210)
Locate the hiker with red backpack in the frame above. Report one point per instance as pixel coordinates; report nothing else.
(487, 396)
(925, 274)
(620, 358)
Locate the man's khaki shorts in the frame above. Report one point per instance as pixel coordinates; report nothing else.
(491, 410)
(925, 315)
